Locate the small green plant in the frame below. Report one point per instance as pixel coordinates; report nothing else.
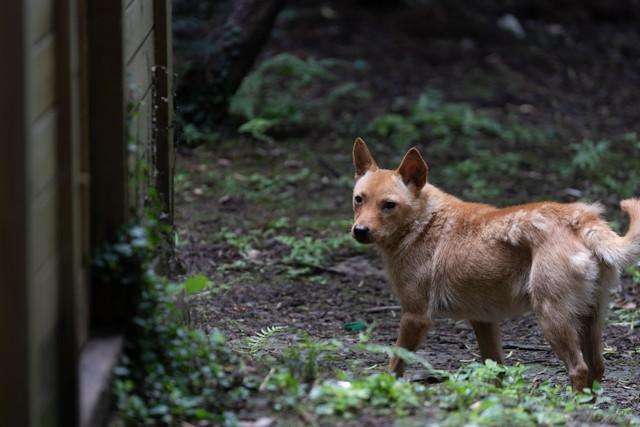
(259, 186)
(350, 91)
(309, 253)
(588, 155)
(382, 392)
(269, 97)
(196, 284)
(173, 373)
(493, 394)
(285, 388)
(431, 119)
(243, 242)
(123, 262)
(192, 135)
(308, 356)
(258, 341)
(258, 128)
(399, 130)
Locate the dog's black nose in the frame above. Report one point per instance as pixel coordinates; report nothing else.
(360, 231)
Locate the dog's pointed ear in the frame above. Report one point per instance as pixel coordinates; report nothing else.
(362, 158)
(413, 169)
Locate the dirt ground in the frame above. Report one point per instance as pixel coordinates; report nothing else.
(576, 75)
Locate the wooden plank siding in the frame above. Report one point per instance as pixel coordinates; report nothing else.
(40, 18)
(43, 157)
(107, 119)
(140, 56)
(138, 23)
(36, 167)
(14, 313)
(163, 124)
(43, 280)
(42, 76)
(138, 71)
(76, 65)
(72, 309)
(141, 152)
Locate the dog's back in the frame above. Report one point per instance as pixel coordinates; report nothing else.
(491, 262)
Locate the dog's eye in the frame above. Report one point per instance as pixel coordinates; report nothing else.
(388, 205)
(358, 200)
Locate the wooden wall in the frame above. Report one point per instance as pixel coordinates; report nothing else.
(139, 57)
(40, 207)
(14, 389)
(149, 80)
(74, 72)
(135, 35)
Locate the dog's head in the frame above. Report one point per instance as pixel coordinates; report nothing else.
(385, 200)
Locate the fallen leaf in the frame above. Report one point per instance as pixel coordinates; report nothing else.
(355, 326)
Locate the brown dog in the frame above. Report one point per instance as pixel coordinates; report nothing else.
(473, 261)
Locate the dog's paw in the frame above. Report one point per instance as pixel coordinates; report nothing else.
(396, 366)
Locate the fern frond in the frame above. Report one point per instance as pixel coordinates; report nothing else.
(258, 341)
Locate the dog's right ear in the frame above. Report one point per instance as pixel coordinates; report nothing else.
(362, 158)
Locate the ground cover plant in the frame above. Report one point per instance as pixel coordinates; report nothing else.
(280, 318)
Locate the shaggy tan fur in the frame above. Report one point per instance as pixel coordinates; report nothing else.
(446, 257)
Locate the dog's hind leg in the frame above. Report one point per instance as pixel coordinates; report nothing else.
(591, 345)
(562, 285)
(488, 336)
(593, 324)
(563, 337)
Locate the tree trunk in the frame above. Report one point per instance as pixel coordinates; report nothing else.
(216, 44)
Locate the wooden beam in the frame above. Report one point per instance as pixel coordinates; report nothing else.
(70, 230)
(14, 314)
(164, 114)
(99, 356)
(107, 119)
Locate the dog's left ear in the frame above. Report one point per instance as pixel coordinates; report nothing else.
(413, 170)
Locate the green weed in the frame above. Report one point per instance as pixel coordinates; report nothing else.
(175, 373)
(258, 186)
(270, 96)
(243, 242)
(396, 128)
(302, 254)
(309, 253)
(258, 128)
(588, 156)
(258, 341)
(446, 126)
(382, 392)
(492, 394)
(192, 135)
(348, 92)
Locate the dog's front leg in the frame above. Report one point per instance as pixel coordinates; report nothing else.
(413, 327)
(488, 335)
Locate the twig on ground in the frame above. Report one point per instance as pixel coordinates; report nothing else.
(526, 347)
(383, 308)
(266, 379)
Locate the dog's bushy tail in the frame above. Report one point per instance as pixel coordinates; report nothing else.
(612, 249)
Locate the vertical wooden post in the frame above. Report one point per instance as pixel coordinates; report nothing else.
(14, 313)
(107, 119)
(163, 103)
(71, 233)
